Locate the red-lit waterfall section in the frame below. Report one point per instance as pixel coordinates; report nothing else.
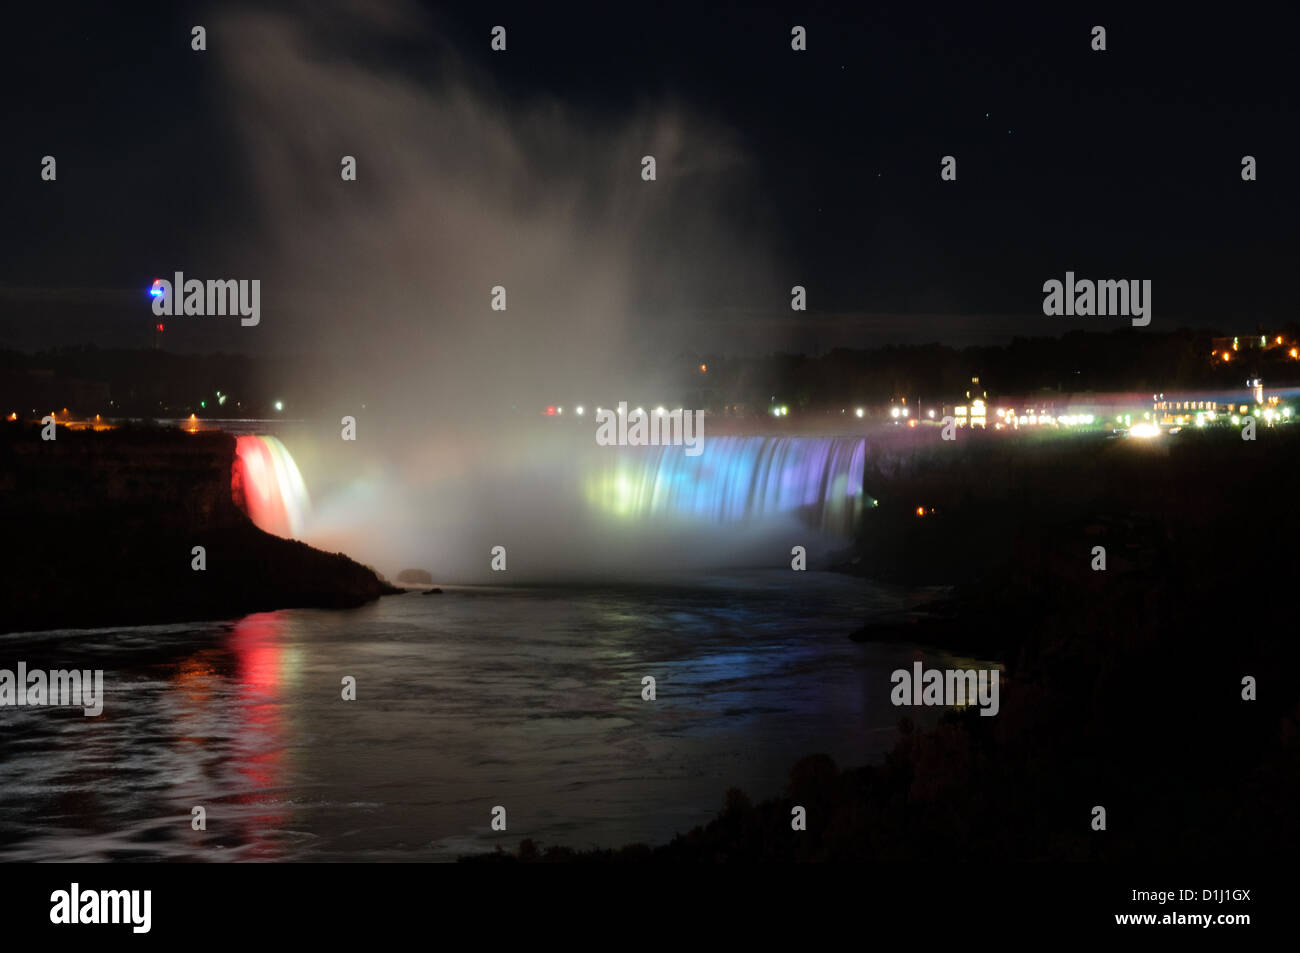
(266, 483)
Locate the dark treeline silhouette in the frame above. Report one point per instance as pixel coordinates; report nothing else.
(1128, 359)
(91, 380)
(1124, 360)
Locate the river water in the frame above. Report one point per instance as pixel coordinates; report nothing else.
(525, 698)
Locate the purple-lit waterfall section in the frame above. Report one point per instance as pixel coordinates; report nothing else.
(740, 479)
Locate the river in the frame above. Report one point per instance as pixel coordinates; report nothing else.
(524, 698)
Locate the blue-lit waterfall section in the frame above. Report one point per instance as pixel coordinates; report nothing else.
(736, 479)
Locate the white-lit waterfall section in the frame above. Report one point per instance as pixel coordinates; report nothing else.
(736, 480)
(267, 484)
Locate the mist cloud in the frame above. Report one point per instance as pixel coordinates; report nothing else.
(463, 186)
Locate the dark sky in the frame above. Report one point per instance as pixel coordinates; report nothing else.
(1115, 164)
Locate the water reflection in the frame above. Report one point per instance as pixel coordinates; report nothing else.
(525, 697)
(229, 720)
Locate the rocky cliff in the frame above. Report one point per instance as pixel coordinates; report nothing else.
(100, 529)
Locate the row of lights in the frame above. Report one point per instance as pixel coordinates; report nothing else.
(553, 411)
(1263, 342)
(222, 398)
(279, 405)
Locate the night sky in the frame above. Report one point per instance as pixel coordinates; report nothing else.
(1117, 164)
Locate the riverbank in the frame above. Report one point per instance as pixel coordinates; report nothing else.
(1012, 525)
(101, 529)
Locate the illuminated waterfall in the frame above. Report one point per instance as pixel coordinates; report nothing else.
(267, 484)
(736, 479)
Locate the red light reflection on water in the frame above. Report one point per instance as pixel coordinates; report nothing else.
(258, 646)
(243, 683)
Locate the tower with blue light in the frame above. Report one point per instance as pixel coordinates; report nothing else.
(156, 291)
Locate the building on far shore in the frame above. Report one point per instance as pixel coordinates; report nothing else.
(972, 409)
(1202, 409)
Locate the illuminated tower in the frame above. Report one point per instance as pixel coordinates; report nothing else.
(156, 291)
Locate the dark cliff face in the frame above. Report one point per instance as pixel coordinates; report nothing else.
(101, 530)
(142, 476)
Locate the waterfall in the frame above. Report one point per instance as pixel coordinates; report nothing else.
(267, 485)
(735, 480)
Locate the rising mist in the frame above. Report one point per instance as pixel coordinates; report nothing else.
(463, 185)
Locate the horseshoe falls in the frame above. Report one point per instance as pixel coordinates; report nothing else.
(747, 480)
